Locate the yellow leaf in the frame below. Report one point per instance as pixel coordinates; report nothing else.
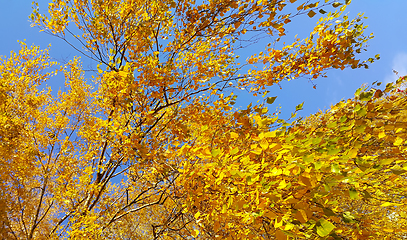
(353, 153)
(256, 151)
(382, 135)
(278, 222)
(398, 141)
(234, 135)
(123, 73)
(264, 144)
(386, 161)
(195, 232)
(282, 184)
(387, 204)
(277, 171)
(234, 151)
(197, 214)
(270, 134)
(275, 146)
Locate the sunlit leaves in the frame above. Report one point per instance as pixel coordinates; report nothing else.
(324, 227)
(313, 55)
(299, 106)
(343, 159)
(152, 147)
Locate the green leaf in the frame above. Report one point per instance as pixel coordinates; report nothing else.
(270, 100)
(366, 96)
(348, 218)
(353, 193)
(318, 165)
(343, 118)
(397, 170)
(299, 106)
(324, 228)
(366, 194)
(357, 93)
(316, 140)
(344, 128)
(308, 158)
(334, 151)
(328, 212)
(331, 125)
(361, 128)
(357, 108)
(389, 87)
(362, 112)
(335, 168)
(401, 79)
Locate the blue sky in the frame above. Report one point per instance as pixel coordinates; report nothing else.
(386, 19)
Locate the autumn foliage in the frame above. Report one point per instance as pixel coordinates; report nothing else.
(149, 144)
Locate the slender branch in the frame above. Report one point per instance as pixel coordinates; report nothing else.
(35, 223)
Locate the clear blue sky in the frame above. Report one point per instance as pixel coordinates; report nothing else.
(386, 19)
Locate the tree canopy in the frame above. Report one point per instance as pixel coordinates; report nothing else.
(149, 145)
